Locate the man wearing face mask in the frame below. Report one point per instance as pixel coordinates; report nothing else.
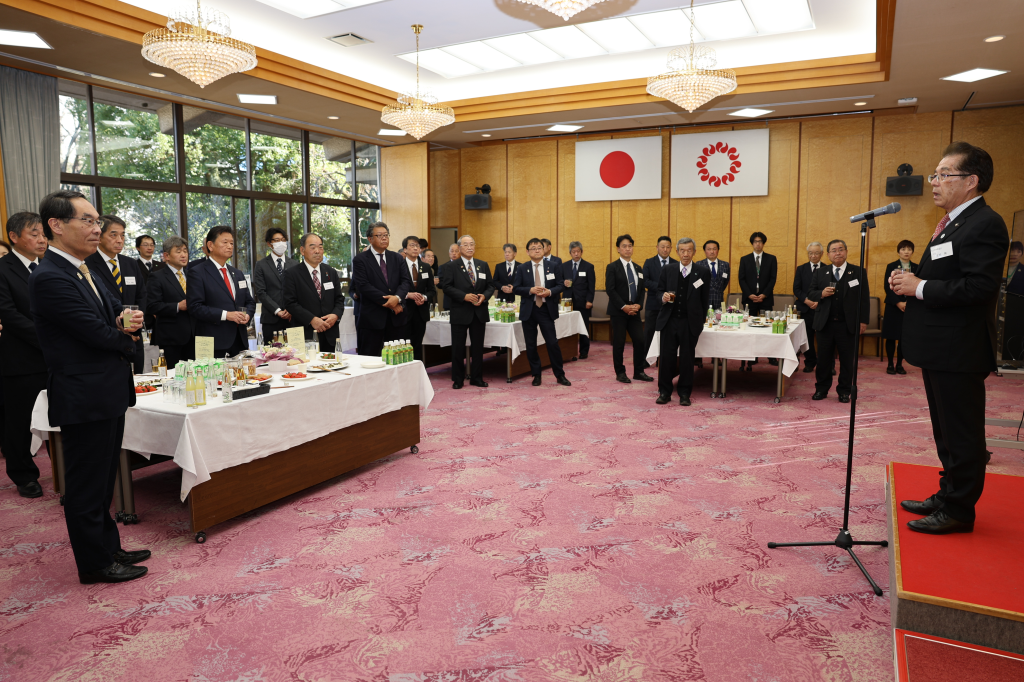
(268, 284)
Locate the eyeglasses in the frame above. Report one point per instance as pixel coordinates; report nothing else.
(942, 176)
(91, 222)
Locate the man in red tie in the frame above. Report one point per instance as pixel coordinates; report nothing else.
(218, 295)
(949, 332)
(382, 282)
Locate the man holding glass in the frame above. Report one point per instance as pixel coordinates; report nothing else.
(684, 295)
(218, 296)
(87, 345)
(174, 330)
(312, 294)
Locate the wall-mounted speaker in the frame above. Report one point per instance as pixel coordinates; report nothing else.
(904, 184)
(478, 202)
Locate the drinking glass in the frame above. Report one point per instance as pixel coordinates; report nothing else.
(311, 350)
(337, 349)
(126, 315)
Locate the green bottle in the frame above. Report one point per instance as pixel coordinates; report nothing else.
(384, 352)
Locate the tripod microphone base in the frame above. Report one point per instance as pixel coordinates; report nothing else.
(843, 541)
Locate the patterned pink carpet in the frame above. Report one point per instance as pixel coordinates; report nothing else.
(548, 534)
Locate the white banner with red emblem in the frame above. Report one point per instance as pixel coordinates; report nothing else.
(733, 163)
(629, 168)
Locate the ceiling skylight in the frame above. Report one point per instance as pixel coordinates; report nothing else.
(304, 9)
(974, 75)
(523, 48)
(617, 35)
(569, 42)
(722, 20)
(22, 39)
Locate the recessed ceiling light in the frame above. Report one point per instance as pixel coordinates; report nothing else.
(486, 135)
(257, 99)
(391, 131)
(994, 39)
(562, 128)
(974, 75)
(859, 104)
(333, 118)
(23, 39)
(157, 74)
(304, 9)
(569, 42)
(751, 113)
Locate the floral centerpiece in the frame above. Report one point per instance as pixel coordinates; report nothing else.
(277, 351)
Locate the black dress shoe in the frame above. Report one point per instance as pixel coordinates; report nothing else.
(940, 523)
(584, 356)
(774, 362)
(31, 489)
(457, 384)
(988, 457)
(808, 369)
(663, 398)
(127, 558)
(563, 381)
(622, 378)
(900, 370)
(642, 377)
(833, 371)
(890, 370)
(699, 364)
(114, 573)
(536, 380)
(844, 398)
(684, 400)
(923, 508)
(819, 395)
(481, 383)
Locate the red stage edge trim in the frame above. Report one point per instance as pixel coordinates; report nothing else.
(900, 650)
(891, 482)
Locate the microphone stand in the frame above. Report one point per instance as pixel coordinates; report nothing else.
(845, 540)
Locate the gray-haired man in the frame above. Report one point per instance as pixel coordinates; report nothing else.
(804, 305)
(580, 283)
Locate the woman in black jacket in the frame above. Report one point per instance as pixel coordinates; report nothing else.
(892, 323)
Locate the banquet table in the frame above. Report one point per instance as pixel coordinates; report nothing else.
(238, 456)
(745, 343)
(347, 332)
(509, 335)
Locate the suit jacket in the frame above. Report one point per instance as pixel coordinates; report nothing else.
(88, 358)
(163, 294)
(583, 286)
(524, 282)
(372, 287)
(133, 283)
(556, 261)
(425, 287)
(268, 289)
(718, 285)
(1014, 286)
(208, 297)
(652, 274)
(456, 284)
(693, 292)
(502, 278)
(849, 295)
(953, 328)
(891, 298)
(20, 352)
(616, 284)
(302, 301)
(145, 272)
(802, 286)
(750, 279)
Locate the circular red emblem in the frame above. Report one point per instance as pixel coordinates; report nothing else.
(617, 169)
(726, 177)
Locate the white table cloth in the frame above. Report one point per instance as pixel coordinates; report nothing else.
(222, 435)
(505, 334)
(747, 343)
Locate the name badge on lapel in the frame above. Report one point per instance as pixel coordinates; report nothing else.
(242, 285)
(581, 273)
(551, 275)
(698, 284)
(481, 275)
(725, 275)
(328, 285)
(942, 250)
(129, 280)
(852, 283)
(639, 274)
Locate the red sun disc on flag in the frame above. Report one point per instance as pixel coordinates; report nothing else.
(733, 162)
(617, 169)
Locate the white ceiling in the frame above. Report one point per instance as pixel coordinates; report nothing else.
(841, 28)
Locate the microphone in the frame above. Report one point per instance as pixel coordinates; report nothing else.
(891, 208)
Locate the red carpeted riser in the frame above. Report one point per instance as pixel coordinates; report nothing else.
(924, 658)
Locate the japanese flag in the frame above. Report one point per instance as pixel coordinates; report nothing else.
(619, 169)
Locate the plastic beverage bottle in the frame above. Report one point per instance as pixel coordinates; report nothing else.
(408, 350)
(161, 365)
(200, 387)
(384, 354)
(190, 389)
(227, 385)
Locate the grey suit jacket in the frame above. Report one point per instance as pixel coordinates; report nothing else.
(268, 288)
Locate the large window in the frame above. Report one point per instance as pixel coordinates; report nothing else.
(214, 149)
(145, 213)
(132, 139)
(276, 159)
(333, 224)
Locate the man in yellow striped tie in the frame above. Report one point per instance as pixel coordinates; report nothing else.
(166, 289)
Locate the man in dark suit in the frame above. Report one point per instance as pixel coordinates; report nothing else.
(717, 273)
(312, 294)
(218, 295)
(21, 356)
(268, 284)
(88, 355)
(382, 282)
(422, 294)
(166, 301)
(837, 317)
(624, 284)
(537, 283)
(949, 332)
(580, 285)
(684, 293)
(758, 272)
(652, 275)
(804, 305)
(505, 275)
(120, 274)
(453, 255)
(146, 246)
(467, 285)
(554, 260)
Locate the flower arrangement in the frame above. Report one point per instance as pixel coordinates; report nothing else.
(277, 351)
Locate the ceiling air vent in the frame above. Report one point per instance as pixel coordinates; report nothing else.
(349, 40)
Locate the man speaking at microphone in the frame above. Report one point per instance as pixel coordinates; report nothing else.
(949, 332)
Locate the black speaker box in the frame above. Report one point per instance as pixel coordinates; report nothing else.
(478, 202)
(904, 186)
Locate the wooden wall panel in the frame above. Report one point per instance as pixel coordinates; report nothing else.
(835, 181)
(644, 219)
(1000, 132)
(481, 165)
(775, 214)
(533, 193)
(405, 192)
(919, 141)
(588, 222)
(445, 188)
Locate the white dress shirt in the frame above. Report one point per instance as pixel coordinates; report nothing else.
(107, 259)
(148, 264)
(842, 270)
(412, 265)
(469, 265)
(71, 259)
(919, 292)
(25, 261)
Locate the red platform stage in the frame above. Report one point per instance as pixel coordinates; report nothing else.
(923, 658)
(966, 587)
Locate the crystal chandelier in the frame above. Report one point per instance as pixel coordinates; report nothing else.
(197, 45)
(693, 80)
(563, 8)
(417, 113)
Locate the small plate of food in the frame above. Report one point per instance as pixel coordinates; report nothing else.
(296, 376)
(263, 378)
(146, 389)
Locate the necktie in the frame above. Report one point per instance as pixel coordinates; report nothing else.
(838, 276)
(181, 281)
(280, 268)
(316, 283)
(575, 269)
(471, 273)
(940, 228)
(714, 269)
(88, 278)
(227, 282)
(415, 274)
(664, 262)
(117, 274)
(510, 270)
(757, 264)
(632, 283)
(383, 267)
(149, 266)
(32, 267)
(537, 299)
(684, 272)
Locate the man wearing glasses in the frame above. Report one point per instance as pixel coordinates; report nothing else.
(382, 282)
(949, 332)
(312, 294)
